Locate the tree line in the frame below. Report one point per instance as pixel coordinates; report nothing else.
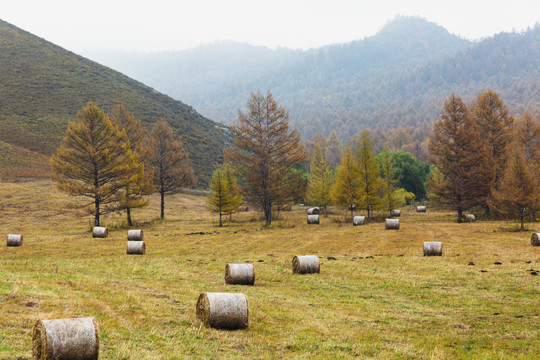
(113, 162)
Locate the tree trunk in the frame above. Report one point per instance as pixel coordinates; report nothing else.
(522, 227)
(128, 212)
(459, 214)
(162, 203)
(325, 211)
(96, 216)
(352, 214)
(220, 224)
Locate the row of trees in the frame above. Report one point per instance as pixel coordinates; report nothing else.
(112, 161)
(484, 158)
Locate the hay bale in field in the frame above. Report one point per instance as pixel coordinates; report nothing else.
(470, 218)
(395, 213)
(239, 274)
(421, 208)
(135, 235)
(223, 310)
(535, 239)
(14, 240)
(313, 211)
(306, 264)
(432, 248)
(65, 339)
(313, 219)
(100, 232)
(359, 220)
(136, 248)
(391, 224)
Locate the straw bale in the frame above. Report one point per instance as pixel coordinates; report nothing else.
(100, 232)
(421, 208)
(470, 218)
(223, 310)
(535, 239)
(66, 339)
(306, 264)
(395, 213)
(239, 274)
(136, 248)
(14, 240)
(313, 219)
(432, 248)
(391, 224)
(313, 211)
(359, 220)
(135, 235)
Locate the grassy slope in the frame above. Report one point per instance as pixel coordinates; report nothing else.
(17, 162)
(42, 86)
(396, 305)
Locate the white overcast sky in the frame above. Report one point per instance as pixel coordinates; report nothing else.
(167, 25)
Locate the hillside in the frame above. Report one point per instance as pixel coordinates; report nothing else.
(42, 86)
(398, 77)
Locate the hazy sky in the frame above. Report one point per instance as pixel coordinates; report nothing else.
(168, 24)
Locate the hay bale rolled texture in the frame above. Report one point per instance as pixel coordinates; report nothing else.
(432, 248)
(136, 248)
(421, 208)
(313, 219)
(470, 218)
(535, 239)
(223, 310)
(239, 274)
(391, 224)
(14, 240)
(100, 232)
(395, 213)
(135, 235)
(66, 339)
(313, 211)
(359, 220)
(306, 264)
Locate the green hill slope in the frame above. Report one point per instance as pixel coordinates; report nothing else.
(42, 86)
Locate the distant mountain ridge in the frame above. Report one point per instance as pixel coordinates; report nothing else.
(398, 77)
(43, 86)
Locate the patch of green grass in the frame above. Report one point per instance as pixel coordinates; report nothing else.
(379, 299)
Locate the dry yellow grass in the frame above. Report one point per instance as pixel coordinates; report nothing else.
(380, 298)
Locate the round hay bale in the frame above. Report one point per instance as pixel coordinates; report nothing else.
(391, 224)
(306, 264)
(535, 239)
(223, 310)
(421, 208)
(135, 235)
(470, 218)
(136, 248)
(432, 248)
(100, 232)
(239, 274)
(359, 220)
(65, 339)
(14, 240)
(313, 211)
(395, 213)
(313, 219)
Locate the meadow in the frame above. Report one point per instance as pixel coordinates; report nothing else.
(377, 296)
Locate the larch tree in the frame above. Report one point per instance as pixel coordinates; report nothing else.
(169, 162)
(235, 196)
(267, 150)
(138, 185)
(220, 200)
(528, 135)
(517, 193)
(333, 150)
(347, 187)
(320, 182)
(370, 176)
(461, 157)
(495, 126)
(95, 161)
(388, 179)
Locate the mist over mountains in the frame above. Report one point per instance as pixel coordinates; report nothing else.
(398, 77)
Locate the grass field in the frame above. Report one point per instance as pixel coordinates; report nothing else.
(379, 299)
